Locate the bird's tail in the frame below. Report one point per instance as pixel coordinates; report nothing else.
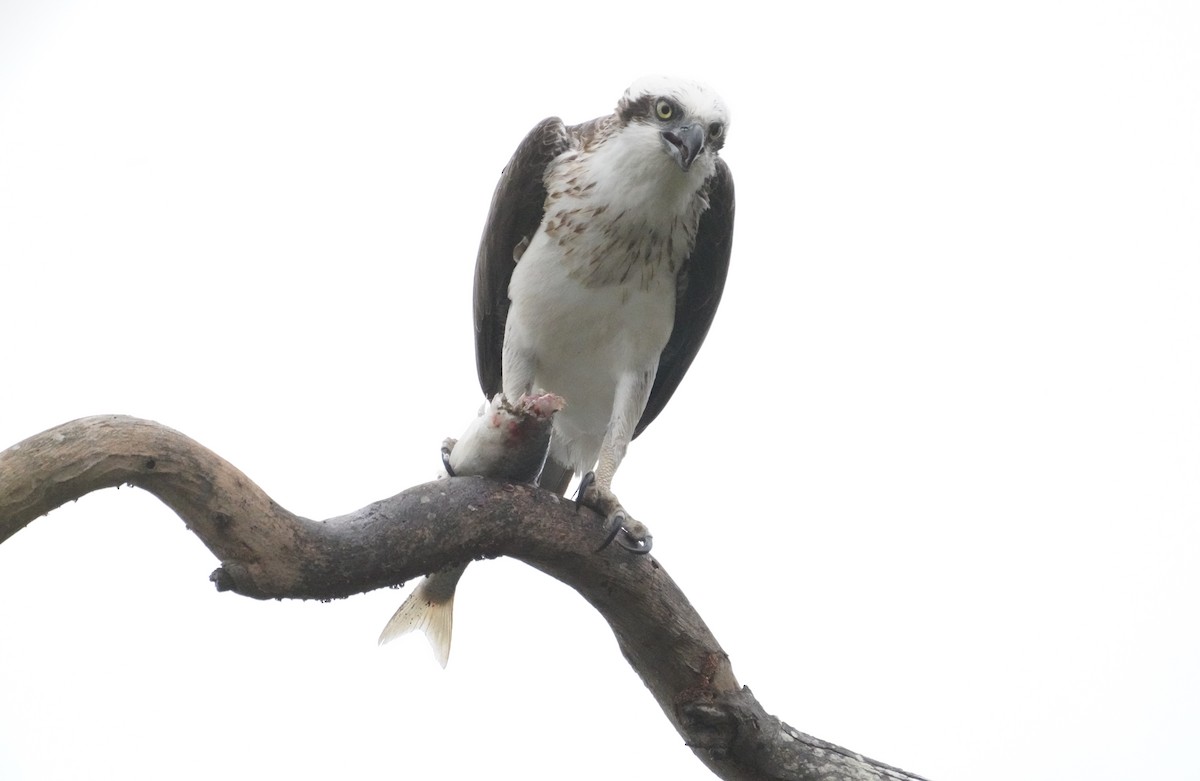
(429, 608)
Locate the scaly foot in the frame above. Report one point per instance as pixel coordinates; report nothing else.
(619, 525)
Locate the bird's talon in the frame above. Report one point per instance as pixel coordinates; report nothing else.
(630, 534)
(612, 527)
(446, 461)
(585, 483)
(634, 545)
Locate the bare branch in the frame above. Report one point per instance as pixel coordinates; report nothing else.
(267, 552)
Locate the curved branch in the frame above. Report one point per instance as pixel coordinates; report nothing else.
(267, 552)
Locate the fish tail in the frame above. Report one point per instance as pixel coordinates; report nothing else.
(429, 608)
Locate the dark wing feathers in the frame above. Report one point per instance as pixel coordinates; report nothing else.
(516, 213)
(701, 280)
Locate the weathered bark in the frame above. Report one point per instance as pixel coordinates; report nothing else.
(267, 552)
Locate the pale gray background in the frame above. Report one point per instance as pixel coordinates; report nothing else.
(934, 480)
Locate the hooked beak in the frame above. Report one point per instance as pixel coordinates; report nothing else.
(684, 144)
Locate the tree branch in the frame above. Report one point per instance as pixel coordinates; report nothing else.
(267, 552)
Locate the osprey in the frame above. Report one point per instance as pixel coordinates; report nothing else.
(601, 266)
(600, 269)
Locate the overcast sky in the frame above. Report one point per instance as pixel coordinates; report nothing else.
(933, 481)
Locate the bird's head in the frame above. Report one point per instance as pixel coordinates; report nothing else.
(690, 119)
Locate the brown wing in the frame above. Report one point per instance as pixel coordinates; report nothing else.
(701, 280)
(517, 208)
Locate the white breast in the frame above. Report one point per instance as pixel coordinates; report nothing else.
(593, 296)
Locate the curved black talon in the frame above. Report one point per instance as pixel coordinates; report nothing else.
(446, 461)
(612, 533)
(640, 547)
(585, 483)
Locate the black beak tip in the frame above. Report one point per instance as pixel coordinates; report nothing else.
(686, 144)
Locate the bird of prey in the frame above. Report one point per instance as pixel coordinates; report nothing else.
(600, 269)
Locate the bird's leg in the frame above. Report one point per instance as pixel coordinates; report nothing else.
(447, 448)
(595, 492)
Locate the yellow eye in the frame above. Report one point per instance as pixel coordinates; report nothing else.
(664, 109)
